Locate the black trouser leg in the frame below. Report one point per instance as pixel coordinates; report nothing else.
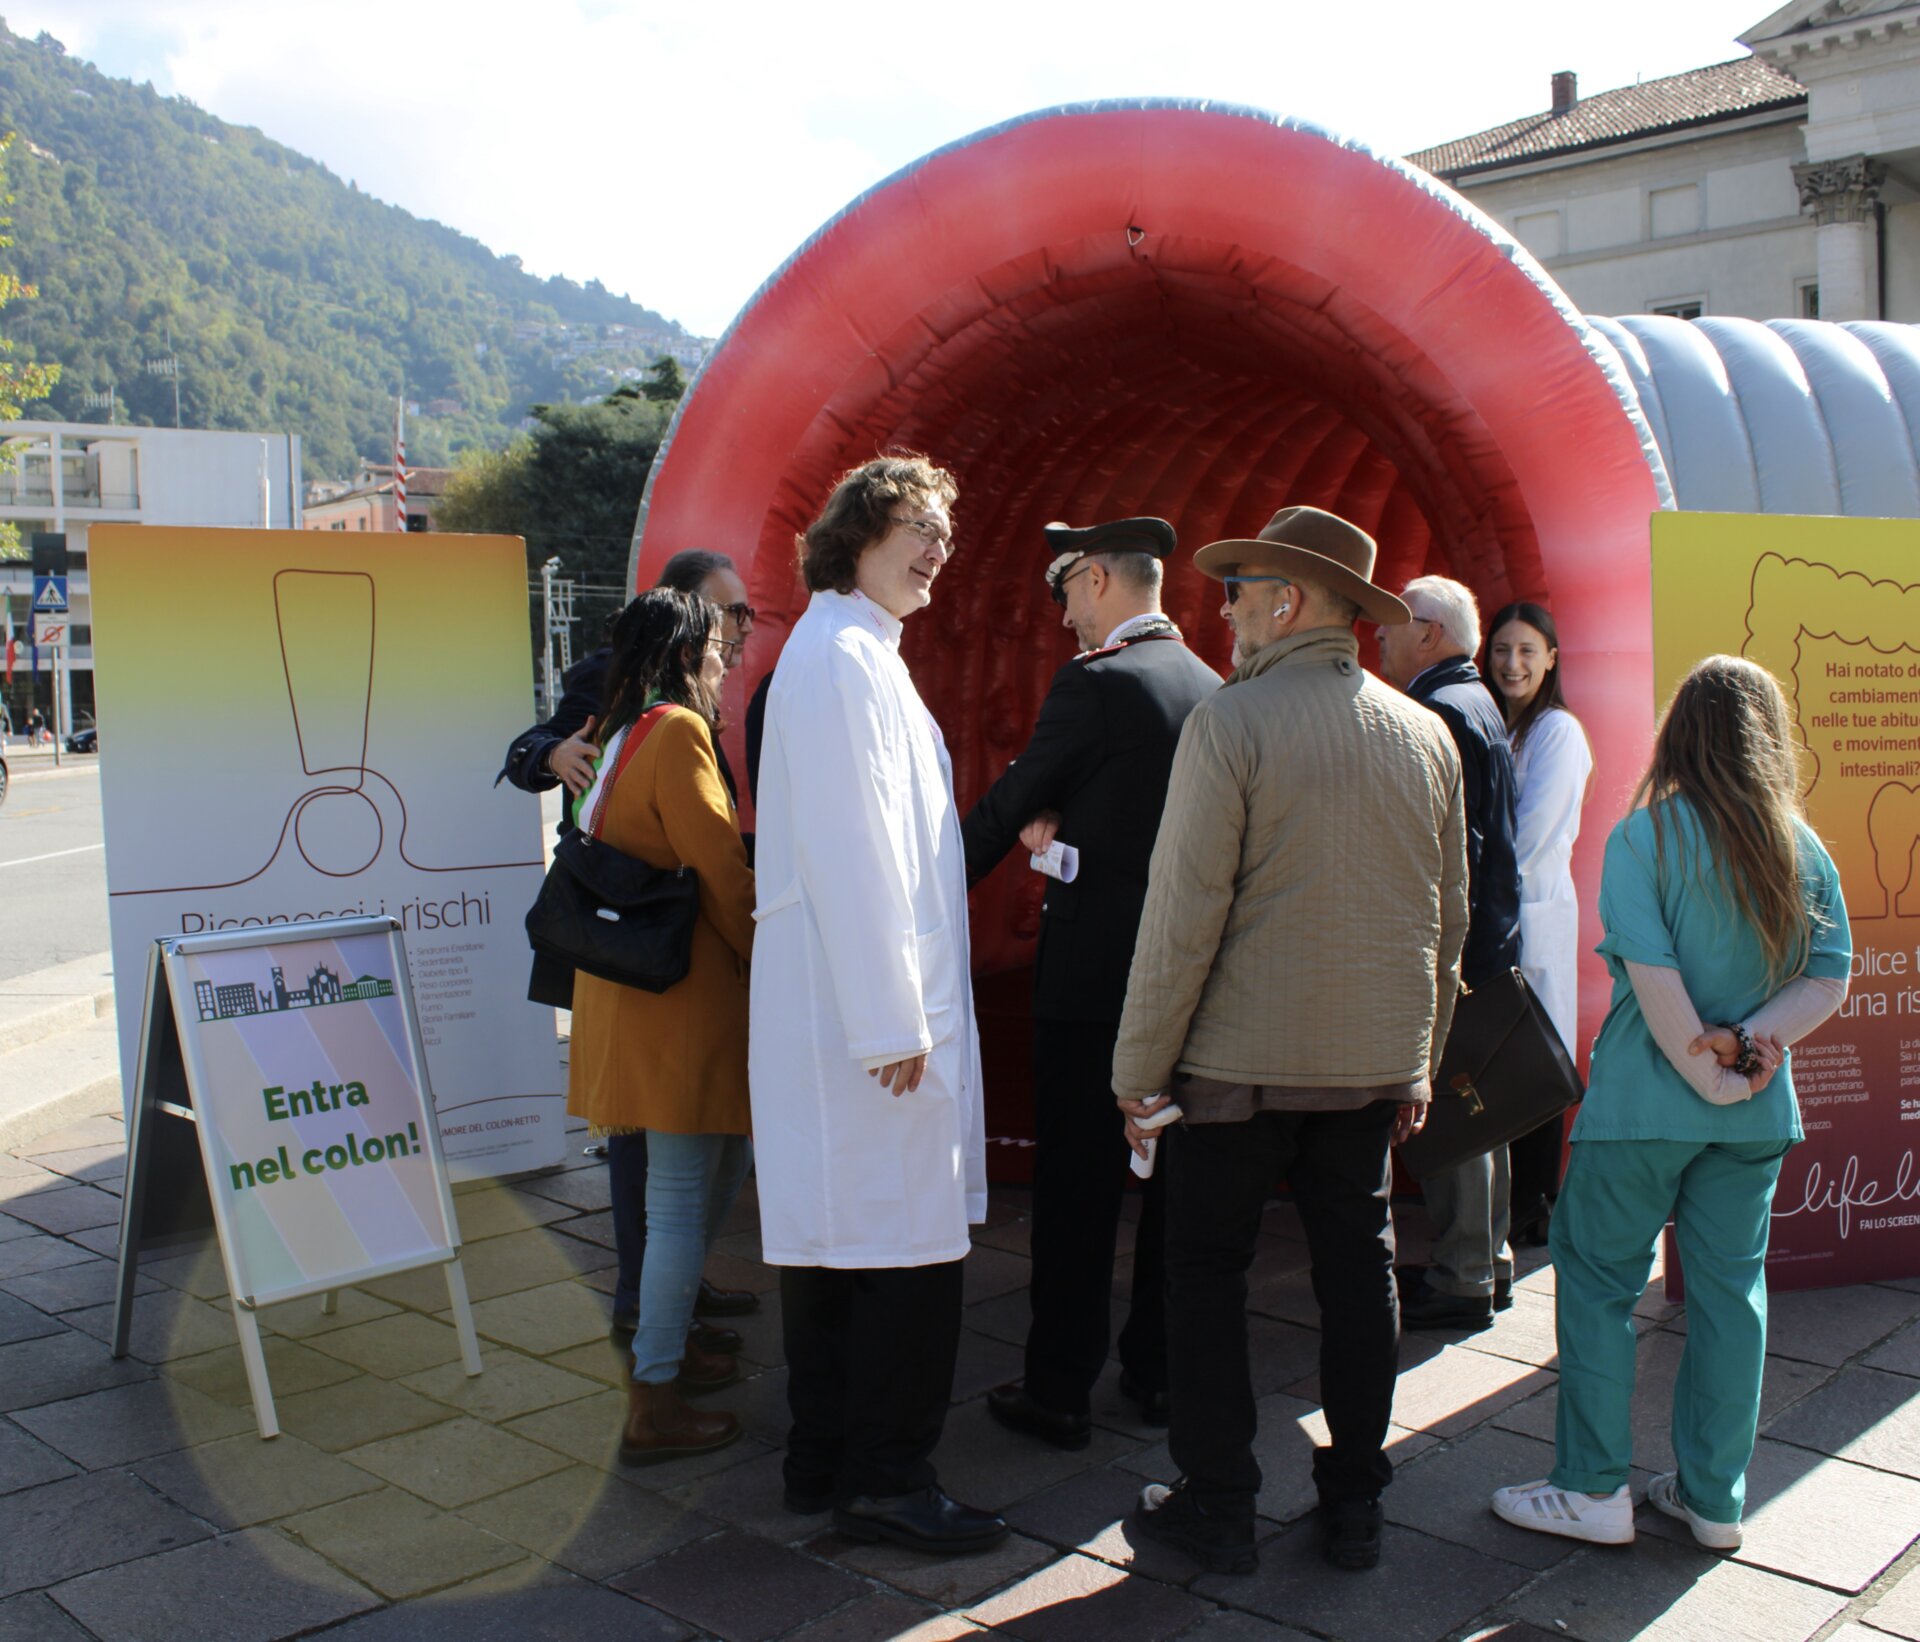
(901, 1346)
(1533, 1163)
(1218, 1180)
(1079, 1179)
(1219, 1176)
(627, 1181)
(816, 1305)
(1341, 1180)
(870, 1357)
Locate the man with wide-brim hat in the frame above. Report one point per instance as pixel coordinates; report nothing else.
(1094, 776)
(1291, 989)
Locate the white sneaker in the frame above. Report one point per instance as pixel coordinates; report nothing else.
(1572, 1515)
(1663, 1494)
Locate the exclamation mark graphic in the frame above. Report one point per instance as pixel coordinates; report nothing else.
(413, 1129)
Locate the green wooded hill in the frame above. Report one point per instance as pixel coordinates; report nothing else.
(296, 302)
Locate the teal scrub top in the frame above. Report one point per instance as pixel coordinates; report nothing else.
(1683, 918)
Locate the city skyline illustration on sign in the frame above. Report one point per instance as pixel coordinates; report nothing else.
(221, 1002)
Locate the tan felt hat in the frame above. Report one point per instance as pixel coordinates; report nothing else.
(1316, 546)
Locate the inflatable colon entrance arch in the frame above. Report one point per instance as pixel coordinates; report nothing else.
(1189, 310)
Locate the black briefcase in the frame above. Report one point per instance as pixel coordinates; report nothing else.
(612, 915)
(1504, 1073)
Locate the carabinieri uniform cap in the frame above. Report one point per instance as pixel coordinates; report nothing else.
(1066, 545)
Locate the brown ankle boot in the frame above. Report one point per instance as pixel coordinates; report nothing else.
(705, 1370)
(662, 1427)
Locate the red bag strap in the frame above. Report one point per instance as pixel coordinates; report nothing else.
(629, 745)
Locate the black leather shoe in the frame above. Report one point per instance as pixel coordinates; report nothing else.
(621, 1330)
(1171, 1516)
(1423, 1306)
(1414, 1278)
(1013, 1408)
(1153, 1405)
(1352, 1530)
(714, 1302)
(923, 1521)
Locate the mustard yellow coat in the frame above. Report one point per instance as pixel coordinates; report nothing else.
(674, 1060)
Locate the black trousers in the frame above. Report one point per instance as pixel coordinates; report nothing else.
(627, 1182)
(1219, 1176)
(1080, 1176)
(870, 1357)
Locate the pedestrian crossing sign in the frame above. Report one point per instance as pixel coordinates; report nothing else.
(50, 595)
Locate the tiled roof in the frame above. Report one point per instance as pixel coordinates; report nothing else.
(1699, 97)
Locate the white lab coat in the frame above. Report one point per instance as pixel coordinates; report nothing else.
(860, 958)
(1551, 767)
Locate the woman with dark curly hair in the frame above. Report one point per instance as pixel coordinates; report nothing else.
(864, 1058)
(671, 1066)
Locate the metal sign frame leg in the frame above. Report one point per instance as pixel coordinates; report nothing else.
(463, 1317)
(253, 1355)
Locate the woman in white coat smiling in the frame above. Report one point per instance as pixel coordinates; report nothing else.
(863, 1060)
(1552, 764)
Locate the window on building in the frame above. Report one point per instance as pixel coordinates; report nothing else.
(1539, 232)
(1691, 307)
(1672, 211)
(1806, 298)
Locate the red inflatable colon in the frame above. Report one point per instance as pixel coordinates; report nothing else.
(1187, 310)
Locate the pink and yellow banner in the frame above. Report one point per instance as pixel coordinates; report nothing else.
(1832, 608)
(302, 724)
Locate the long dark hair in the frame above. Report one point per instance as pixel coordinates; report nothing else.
(1726, 746)
(860, 512)
(1549, 695)
(658, 644)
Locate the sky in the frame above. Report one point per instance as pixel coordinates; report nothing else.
(680, 153)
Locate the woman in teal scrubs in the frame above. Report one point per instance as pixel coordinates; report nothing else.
(1727, 939)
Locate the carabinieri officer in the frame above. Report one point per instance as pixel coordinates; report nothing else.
(1094, 774)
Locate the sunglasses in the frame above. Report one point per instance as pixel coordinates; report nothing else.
(1060, 587)
(1235, 583)
(744, 615)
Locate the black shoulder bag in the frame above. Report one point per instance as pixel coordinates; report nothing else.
(610, 914)
(1504, 1073)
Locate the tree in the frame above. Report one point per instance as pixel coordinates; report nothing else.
(665, 381)
(19, 381)
(486, 494)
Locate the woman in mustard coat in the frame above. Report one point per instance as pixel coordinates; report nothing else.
(672, 1064)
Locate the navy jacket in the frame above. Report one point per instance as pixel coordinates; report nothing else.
(1100, 756)
(1453, 689)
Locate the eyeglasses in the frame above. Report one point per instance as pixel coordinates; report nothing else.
(928, 532)
(1060, 587)
(1235, 583)
(744, 615)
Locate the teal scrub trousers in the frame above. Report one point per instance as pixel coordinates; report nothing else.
(1617, 1196)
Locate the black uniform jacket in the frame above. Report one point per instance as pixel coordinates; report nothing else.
(1100, 756)
(1454, 690)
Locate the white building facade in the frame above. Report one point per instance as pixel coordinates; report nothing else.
(70, 476)
(1784, 184)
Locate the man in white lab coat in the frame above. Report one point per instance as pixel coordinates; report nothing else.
(864, 1060)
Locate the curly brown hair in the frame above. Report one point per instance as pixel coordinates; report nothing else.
(860, 512)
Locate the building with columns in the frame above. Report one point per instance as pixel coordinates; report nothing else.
(1781, 184)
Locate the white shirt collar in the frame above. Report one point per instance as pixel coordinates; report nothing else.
(884, 622)
(1131, 624)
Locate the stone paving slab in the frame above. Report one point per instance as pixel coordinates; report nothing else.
(589, 1523)
(401, 1546)
(34, 1617)
(66, 1364)
(291, 1367)
(1900, 1354)
(252, 1587)
(26, 1463)
(131, 1422)
(510, 1385)
(1657, 1592)
(1861, 1415)
(1896, 1610)
(61, 1529)
(516, 1606)
(32, 1251)
(241, 1481)
(74, 1287)
(739, 1588)
(457, 1461)
(351, 1413)
(1079, 1599)
(166, 1325)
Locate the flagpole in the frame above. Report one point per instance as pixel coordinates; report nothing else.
(400, 460)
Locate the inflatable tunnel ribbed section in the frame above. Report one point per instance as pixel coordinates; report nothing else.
(1185, 309)
(1789, 416)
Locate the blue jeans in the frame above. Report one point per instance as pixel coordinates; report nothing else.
(692, 1181)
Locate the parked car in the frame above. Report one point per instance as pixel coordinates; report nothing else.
(84, 741)
(3, 781)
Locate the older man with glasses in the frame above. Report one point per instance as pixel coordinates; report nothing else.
(1094, 776)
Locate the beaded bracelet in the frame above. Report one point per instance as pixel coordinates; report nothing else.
(1748, 1061)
